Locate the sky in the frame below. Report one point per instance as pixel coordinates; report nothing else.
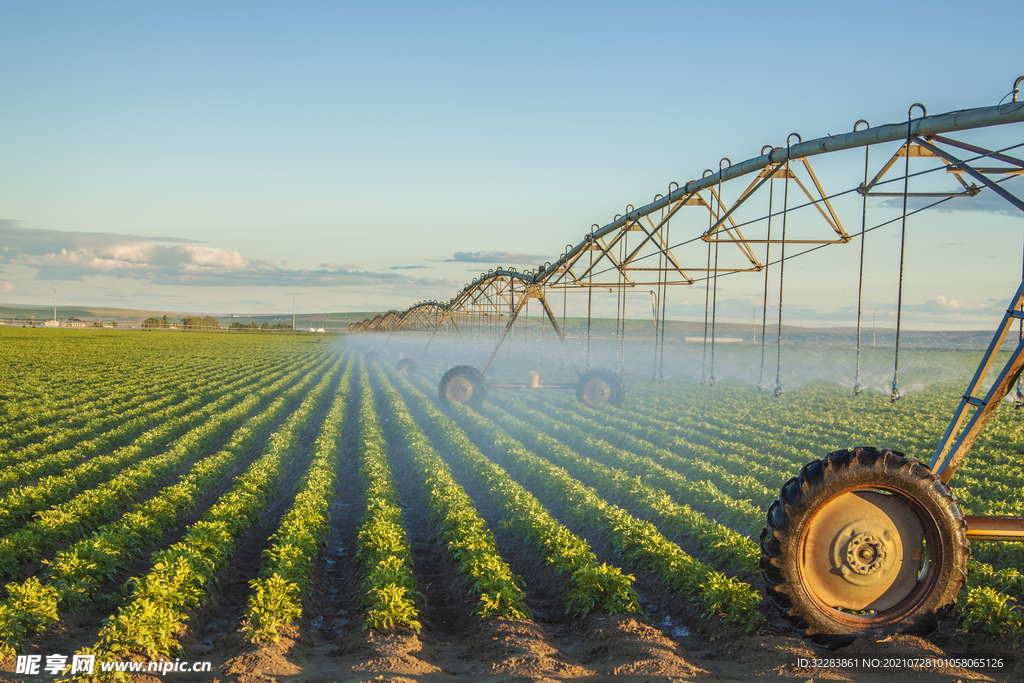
(227, 157)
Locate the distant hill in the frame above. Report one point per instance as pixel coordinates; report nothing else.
(636, 329)
(128, 317)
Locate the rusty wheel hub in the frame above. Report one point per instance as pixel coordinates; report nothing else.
(596, 392)
(459, 389)
(866, 553)
(863, 552)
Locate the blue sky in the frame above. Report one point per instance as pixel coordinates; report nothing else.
(226, 156)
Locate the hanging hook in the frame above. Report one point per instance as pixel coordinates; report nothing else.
(924, 110)
(724, 159)
(860, 121)
(1016, 87)
(707, 172)
(789, 144)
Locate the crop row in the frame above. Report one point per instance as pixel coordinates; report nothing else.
(64, 373)
(990, 598)
(75, 575)
(51, 427)
(181, 575)
(71, 369)
(83, 513)
(390, 596)
(698, 462)
(287, 566)
(19, 504)
(738, 458)
(711, 540)
(127, 426)
(593, 587)
(638, 542)
(463, 531)
(701, 495)
(80, 379)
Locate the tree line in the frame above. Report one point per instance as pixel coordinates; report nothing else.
(206, 322)
(189, 322)
(264, 326)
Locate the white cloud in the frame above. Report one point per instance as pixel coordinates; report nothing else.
(78, 259)
(58, 255)
(136, 252)
(209, 256)
(943, 304)
(6, 287)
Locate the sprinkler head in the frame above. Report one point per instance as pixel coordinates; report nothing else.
(778, 389)
(858, 388)
(712, 379)
(895, 395)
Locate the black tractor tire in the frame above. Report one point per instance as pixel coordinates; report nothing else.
(407, 366)
(600, 387)
(844, 527)
(463, 384)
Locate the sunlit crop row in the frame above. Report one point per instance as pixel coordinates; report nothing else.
(75, 575)
(181, 575)
(287, 567)
(390, 595)
(468, 540)
(593, 587)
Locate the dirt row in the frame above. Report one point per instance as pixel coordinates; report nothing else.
(671, 642)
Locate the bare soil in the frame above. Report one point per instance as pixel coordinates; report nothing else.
(672, 641)
(610, 648)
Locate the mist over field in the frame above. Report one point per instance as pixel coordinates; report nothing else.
(923, 362)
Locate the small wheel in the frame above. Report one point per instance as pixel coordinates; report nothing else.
(864, 542)
(463, 384)
(407, 366)
(599, 387)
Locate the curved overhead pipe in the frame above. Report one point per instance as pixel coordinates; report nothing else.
(965, 119)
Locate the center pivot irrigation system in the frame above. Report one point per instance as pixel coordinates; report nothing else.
(864, 541)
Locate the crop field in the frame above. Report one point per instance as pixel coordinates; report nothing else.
(287, 508)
